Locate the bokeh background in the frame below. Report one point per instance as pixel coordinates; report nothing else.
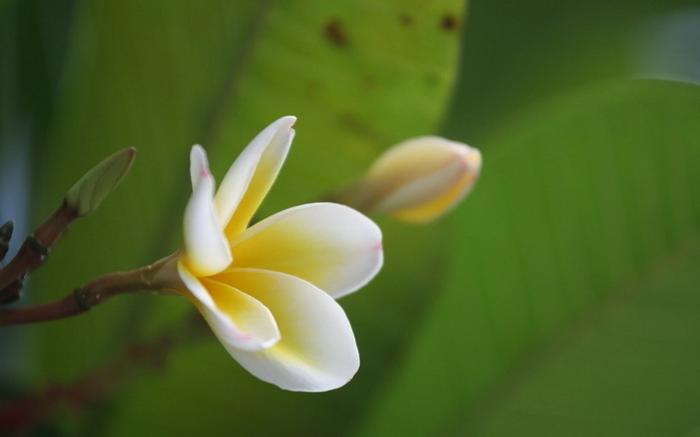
(562, 297)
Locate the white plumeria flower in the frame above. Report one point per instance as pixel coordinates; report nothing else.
(268, 291)
(417, 180)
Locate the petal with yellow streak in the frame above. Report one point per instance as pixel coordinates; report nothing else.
(237, 319)
(252, 174)
(317, 351)
(332, 246)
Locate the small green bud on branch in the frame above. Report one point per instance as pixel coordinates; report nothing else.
(82, 199)
(88, 193)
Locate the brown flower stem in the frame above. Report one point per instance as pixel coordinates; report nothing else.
(150, 277)
(34, 251)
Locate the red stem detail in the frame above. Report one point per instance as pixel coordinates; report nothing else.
(33, 252)
(21, 416)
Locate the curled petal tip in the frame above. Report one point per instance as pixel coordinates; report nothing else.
(199, 165)
(472, 158)
(197, 149)
(284, 125)
(289, 120)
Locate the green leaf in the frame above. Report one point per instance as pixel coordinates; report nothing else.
(575, 202)
(161, 76)
(517, 55)
(630, 368)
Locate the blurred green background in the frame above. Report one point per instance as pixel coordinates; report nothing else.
(562, 297)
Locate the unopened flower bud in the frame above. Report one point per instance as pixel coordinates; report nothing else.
(88, 193)
(418, 180)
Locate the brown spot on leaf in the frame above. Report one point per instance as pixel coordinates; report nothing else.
(358, 126)
(313, 89)
(449, 22)
(335, 33)
(432, 79)
(405, 20)
(370, 82)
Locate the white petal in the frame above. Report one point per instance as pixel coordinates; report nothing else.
(317, 351)
(206, 247)
(250, 177)
(332, 246)
(199, 164)
(238, 320)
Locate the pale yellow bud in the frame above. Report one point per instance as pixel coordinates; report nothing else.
(419, 179)
(89, 192)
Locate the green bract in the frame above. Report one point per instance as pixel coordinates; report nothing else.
(88, 193)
